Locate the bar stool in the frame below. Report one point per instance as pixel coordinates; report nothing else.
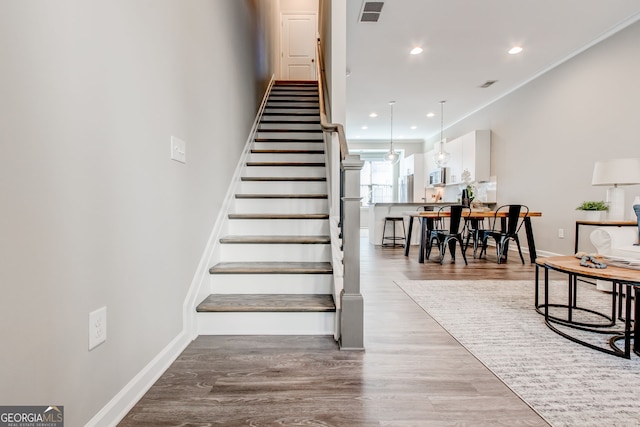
(396, 241)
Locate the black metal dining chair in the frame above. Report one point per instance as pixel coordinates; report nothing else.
(505, 229)
(475, 227)
(449, 237)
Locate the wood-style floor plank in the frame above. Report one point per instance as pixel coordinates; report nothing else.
(412, 373)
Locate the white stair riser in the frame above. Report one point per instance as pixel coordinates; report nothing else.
(258, 252)
(271, 284)
(283, 187)
(311, 127)
(266, 323)
(308, 171)
(287, 157)
(288, 145)
(291, 136)
(279, 227)
(281, 206)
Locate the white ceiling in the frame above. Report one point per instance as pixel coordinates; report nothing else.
(465, 44)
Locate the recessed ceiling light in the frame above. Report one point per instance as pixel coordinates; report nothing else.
(373, 115)
(364, 127)
(515, 50)
(414, 127)
(430, 114)
(416, 51)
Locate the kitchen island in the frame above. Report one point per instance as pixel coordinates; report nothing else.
(379, 211)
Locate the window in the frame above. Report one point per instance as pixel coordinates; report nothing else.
(376, 182)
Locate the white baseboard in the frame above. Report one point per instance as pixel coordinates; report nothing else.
(118, 407)
(547, 254)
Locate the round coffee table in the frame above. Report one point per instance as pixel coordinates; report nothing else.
(621, 278)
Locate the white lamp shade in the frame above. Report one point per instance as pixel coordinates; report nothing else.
(616, 172)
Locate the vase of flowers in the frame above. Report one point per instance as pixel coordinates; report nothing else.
(467, 189)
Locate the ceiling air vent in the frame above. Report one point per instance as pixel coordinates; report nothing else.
(371, 11)
(487, 84)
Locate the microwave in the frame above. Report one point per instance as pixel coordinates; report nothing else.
(438, 177)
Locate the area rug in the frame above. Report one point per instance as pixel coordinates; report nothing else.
(565, 383)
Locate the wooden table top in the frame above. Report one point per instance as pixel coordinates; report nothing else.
(474, 214)
(606, 222)
(571, 264)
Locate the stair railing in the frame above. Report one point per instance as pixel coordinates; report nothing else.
(343, 181)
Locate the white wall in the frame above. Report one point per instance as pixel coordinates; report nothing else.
(547, 135)
(93, 211)
(268, 39)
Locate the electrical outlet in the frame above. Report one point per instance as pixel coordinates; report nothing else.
(561, 233)
(178, 150)
(97, 327)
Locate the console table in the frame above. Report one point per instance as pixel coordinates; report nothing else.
(600, 224)
(620, 277)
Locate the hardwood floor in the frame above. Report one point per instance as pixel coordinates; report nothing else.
(413, 373)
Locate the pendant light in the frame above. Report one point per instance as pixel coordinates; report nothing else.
(392, 156)
(442, 157)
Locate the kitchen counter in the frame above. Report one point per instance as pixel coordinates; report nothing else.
(378, 212)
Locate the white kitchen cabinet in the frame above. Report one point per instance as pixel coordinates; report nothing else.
(429, 162)
(454, 165)
(407, 165)
(476, 154)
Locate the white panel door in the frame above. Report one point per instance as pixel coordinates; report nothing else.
(298, 47)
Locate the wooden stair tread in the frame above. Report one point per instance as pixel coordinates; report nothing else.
(267, 303)
(297, 86)
(280, 196)
(297, 89)
(294, 121)
(315, 129)
(278, 216)
(283, 178)
(295, 140)
(286, 106)
(269, 151)
(296, 164)
(290, 113)
(294, 98)
(294, 94)
(311, 240)
(272, 268)
(280, 83)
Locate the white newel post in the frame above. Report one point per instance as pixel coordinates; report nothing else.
(352, 324)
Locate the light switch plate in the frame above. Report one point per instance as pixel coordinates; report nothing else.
(178, 150)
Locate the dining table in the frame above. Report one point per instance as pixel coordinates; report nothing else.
(427, 223)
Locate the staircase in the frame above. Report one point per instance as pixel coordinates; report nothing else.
(275, 273)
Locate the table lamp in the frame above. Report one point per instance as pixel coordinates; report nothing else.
(615, 173)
